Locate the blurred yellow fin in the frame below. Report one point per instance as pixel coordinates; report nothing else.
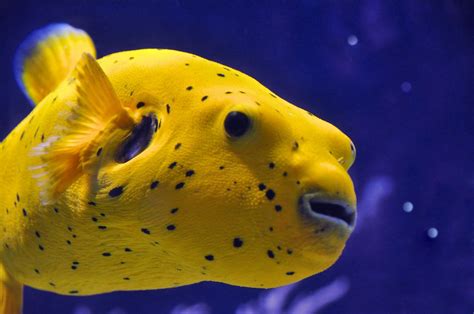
(11, 293)
(47, 57)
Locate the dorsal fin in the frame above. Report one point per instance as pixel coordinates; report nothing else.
(69, 154)
(47, 57)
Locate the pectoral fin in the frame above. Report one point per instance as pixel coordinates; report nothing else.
(11, 293)
(65, 157)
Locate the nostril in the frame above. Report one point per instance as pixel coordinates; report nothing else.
(333, 210)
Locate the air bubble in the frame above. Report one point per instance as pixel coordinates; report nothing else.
(405, 87)
(352, 40)
(432, 233)
(408, 207)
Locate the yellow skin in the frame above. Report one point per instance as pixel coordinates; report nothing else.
(136, 240)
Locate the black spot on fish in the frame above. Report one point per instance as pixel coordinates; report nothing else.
(186, 64)
(257, 103)
(273, 95)
(106, 254)
(37, 271)
(204, 98)
(179, 185)
(92, 203)
(42, 137)
(172, 165)
(140, 104)
(270, 254)
(298, 182)
(73, 291)
(262, 186)
(154, 185)
(37, 234)
(221, 167)
(94, 219)
(189, 88)
(289, 251)
(68, 242)
(102, 227)
(115, 192)
(242, 92)
(290, 273)
(174, 210)
(270, 194)
(278, 208)
(168, 108)
(296, 145)
(189, 173)
(177, 146)
(25, 213)
(171, 227)
(271, 165)
(69, 228)
(145, 231)
(228, 92)
(237, 242)
(285, 174)
(209, 257)
(22, 134)
(52, 284)
(99, 151)
(270, 229)
(131, 58)
(40, 247)
(17, 197)
(128, 249)
(126, 278)
(220, 75)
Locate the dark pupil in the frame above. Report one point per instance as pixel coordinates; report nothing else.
(138, 140)
(236, 123)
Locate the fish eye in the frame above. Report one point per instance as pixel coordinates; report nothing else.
(236, 124)
(138, 140)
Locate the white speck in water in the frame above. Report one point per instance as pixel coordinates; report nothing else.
(408, 207)
(352, 40)
(406, 87)
(432, 232)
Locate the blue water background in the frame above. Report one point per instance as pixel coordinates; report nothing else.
(397, 76)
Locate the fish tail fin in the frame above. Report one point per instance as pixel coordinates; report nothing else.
(11, 293)
(47, 57)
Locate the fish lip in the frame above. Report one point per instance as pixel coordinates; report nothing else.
(345, 218)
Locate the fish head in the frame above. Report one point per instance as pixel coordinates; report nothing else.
(241, 186)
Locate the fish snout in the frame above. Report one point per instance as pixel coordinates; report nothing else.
(328, 198)
(335, 212)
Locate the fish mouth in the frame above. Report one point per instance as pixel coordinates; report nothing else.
(333, 211)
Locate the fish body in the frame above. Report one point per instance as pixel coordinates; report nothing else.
(156, 168)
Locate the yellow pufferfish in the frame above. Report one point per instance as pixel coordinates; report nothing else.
(157, 168)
